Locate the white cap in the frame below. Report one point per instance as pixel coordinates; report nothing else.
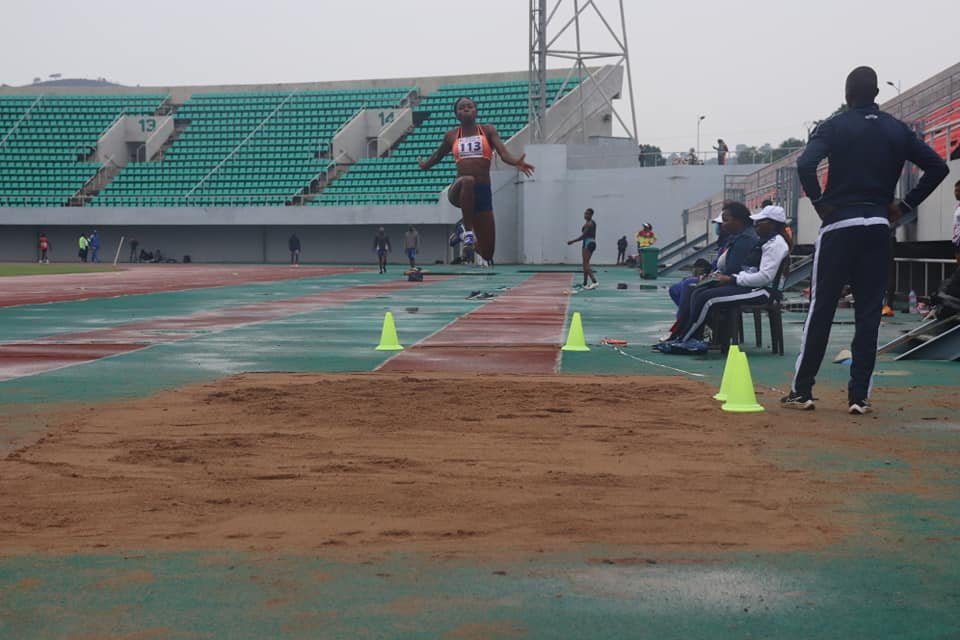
(770, 212)
(719, 218)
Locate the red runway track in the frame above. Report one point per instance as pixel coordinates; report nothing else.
(146, 278)
(518, 332)
(19, 359)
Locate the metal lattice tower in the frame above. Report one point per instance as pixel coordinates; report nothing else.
(551, 33)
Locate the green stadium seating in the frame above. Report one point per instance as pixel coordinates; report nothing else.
(239, 149)
(43, 140)
(398, 179)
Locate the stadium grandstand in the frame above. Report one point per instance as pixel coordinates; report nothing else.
(158, 163)
(225, 173)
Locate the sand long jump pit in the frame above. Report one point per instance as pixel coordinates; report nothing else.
(450, 465)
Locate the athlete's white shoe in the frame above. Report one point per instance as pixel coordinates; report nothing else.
(592, 285)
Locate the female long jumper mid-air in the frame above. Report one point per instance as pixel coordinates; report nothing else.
(473, 146)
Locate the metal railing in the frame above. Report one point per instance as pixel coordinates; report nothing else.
(692, 157)
(946, 129)
(910, 263)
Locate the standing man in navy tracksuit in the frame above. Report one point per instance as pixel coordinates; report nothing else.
(866, 149)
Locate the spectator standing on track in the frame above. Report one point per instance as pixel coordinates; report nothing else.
(722, 151)
(44, 246)
(134, 245)
(646, 237)
(622, 250)
(94, 246)
(294, 245)
(83, 246)
(866, 149)
(381, 244)
(411, 244)
(588, 235)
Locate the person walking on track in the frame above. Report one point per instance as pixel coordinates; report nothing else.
(866, 149)
(473, 145)
(411, 244)
(381, 245)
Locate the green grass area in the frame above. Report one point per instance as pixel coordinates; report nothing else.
(31, 269)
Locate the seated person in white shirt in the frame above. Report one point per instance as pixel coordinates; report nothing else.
(754, 284)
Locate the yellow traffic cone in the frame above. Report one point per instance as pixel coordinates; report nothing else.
(732, 354)
(740, 395)
(575, 339)
(388, 337)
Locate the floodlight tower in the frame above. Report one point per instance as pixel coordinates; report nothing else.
(564, 19)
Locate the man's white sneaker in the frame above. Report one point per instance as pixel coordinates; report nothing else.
(859, 408)
(592, 285)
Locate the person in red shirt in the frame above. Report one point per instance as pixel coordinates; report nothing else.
(44, 246)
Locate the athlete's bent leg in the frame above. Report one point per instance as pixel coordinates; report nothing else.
(461, 195)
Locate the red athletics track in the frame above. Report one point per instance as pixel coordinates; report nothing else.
(145, 278)
(520, 331)
(18, 359)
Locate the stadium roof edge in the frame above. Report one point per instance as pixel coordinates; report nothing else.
(426, 84)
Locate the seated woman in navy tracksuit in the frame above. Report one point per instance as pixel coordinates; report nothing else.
(754, 283)
(740, 243)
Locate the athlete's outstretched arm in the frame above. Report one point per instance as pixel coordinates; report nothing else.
(497, 143)
(445, 147)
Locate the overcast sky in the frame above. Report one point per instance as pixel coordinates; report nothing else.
(759, 70)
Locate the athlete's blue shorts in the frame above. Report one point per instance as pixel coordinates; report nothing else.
(590, 244)
(482, 198)
(411, 254)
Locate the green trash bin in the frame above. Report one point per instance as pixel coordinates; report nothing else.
(648, 262)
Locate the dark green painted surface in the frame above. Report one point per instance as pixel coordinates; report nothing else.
(843, 593)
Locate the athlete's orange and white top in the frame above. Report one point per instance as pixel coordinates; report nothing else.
(477, 146)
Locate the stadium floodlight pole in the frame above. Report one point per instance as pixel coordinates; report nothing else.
(895, 86)
(699, 121)
(588, 99)
(537, 89)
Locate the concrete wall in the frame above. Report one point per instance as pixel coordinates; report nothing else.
(112, 145)
(230, 216)
(934, 217)
(623, 199)
(808, 222)
(350, 143)
(337, 244)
